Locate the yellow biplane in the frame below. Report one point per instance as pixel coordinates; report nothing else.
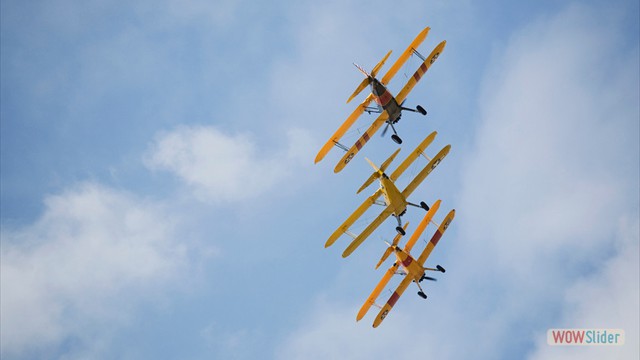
(405, 264)
(389, 107)
(395, 200)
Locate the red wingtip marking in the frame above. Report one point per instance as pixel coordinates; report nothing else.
(393, 299)
(436, 237)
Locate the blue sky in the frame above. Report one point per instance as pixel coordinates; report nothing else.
(159, 197)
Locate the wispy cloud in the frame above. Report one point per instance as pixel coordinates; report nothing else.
(81, 269)
(219, 167)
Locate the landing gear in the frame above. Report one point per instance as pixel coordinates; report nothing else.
(422, 295)
(440, 268)
(424, 277)
(424, 205)
(396, 139)
(399, 228)
(421, 110)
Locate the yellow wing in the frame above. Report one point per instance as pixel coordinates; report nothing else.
(343, 128)
(421, 226)
(436, 237)
(367, 231)
(376, 292)
(392, 300)
(404, 56)
(426, 171)
(418, 74)
(352, 218)
(361, 142)
(413, 156)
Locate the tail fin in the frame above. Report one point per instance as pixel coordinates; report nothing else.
(378, 172)
(389, 250)
(368, 78)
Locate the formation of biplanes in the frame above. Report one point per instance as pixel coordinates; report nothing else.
(393, 201)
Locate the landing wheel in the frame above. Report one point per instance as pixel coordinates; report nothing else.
(400, 231)
(440, 268)
(424, 205)
(422, 295)
(421, 110)
(396, 138)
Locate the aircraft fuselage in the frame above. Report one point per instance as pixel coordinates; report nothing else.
(384, 99)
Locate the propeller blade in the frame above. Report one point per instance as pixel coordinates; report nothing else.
(428, 278)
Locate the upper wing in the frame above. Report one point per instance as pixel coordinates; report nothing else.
(392, 300)
(404, 56)
(353, 217)
(436, 237)
(376, 292)
(360, 143)
(421, 226)
(413, 156)
(367, 231)
(343, 128)
(426, 171)
(418, 74)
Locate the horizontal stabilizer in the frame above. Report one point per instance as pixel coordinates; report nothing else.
(376, 174)
(389, 249)
(368, 78)
(360, 87)
(377, 68)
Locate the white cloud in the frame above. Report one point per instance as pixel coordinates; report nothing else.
(223, 168)
(331, 332)
(607, 299)
(78, 271)
(552, 176)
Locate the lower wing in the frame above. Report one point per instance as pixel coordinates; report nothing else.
(367, 231)
(421, 226)
(413, 156)
(404, 56)
(376, 292)
(420, 72)
(426, 171)
(361, 142)
(353, 217)
(343, 128)
(392, 300)
(436, 237)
